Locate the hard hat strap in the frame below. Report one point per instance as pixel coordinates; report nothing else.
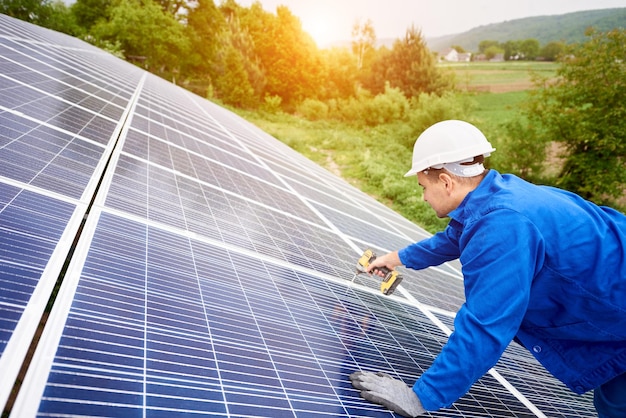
(461, 170)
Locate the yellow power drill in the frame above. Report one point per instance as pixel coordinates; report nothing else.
(392, 278)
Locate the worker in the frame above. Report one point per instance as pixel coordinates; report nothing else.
(541, 266)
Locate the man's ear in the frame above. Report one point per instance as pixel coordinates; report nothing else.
(447, 181)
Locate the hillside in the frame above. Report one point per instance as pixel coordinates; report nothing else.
(568, 27)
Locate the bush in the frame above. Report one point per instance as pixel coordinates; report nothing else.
(313, 109)
(521, 151)
(388, 107)
(428, 109)
(368, 110)
(272, 104)
(352, 110)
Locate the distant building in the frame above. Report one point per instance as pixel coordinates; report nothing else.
(452, 55)
(483, 57)
(449, 54)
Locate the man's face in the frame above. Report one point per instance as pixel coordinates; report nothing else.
(436, 194)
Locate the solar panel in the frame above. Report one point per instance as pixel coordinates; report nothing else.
(196, 266)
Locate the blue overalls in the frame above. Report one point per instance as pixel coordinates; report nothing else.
(540, 265)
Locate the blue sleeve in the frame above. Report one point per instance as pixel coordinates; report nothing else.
(432, 251)
(500, 254)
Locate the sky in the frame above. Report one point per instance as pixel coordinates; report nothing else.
(332, 20)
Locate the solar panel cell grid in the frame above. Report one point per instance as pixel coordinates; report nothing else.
(28, 235)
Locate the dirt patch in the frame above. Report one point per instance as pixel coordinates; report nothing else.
(502, 88)
(331, 165)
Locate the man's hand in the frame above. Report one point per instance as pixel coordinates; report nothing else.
(393, 394)
(390, 260)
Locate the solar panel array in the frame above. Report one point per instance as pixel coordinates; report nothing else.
(195, 265)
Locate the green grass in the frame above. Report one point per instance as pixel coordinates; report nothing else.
(498, 76)
(497, 108)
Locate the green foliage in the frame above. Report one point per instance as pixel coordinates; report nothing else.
(484, 45)
(206, 30)
(60, 18)
(527, 49)
(88, 12)
(492, 51)
(585, 111)
(237, 38)
(144, 30)
(428, 109)
(386, 108)
(112, 47)
(291, 59)
(521, 151)
(363, 41)
(411, 66)
(340, 72)
(52, 14)
(34, 11)
(364, 109)
(552, 50)
(232, 81)
(272, 104)
(313, 109)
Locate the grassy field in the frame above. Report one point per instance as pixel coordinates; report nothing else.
(498, 89)
(497, 108)
(498, 77)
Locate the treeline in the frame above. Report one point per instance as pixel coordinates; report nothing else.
(242, 56)
(521, 50)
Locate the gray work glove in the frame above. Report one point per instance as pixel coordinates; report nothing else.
(393, 394)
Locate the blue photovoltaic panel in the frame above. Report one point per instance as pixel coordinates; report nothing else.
(206, 267)
(30, 228)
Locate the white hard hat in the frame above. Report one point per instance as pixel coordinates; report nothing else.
(446, 142)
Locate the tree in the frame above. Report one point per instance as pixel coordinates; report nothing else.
(206, 30)
(62, 19)
(373, 77)
(492, 51)
(88, 12)
(483, 45)
(290, 59)
(340, 74)
(363, 41)
(552, 50)
(529, 48)
(51, 14)
(232, 82)
(584, 110)
(229, 55)
(511, 50)
(412, 67)
(27, 10)
(144, 30)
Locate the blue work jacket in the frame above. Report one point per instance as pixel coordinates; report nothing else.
(541, 265)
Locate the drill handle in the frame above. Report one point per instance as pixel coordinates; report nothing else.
(384, 270)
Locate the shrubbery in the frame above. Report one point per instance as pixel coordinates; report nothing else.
(312, 109)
